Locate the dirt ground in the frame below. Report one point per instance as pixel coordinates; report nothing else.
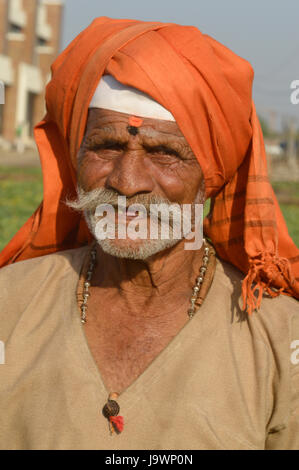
(12, 158)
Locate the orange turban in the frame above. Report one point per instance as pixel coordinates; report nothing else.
(208, 90)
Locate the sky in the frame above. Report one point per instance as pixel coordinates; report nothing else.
(265, 32)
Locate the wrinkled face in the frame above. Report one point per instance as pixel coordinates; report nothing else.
(152, 164)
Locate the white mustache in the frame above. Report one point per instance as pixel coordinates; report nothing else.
(90, 200)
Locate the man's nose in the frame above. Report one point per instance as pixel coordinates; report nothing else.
(130, 174)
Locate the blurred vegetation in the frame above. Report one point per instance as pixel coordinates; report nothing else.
(267, 132)
(264, 126)
(288, 197)
(21, 191)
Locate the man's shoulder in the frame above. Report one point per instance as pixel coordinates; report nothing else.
(42, 265)
(228, 275)
(29, 288)
(277, 317)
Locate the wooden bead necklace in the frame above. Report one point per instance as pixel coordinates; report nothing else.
(111, 409)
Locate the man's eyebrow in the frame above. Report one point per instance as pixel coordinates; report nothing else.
(105, 134)
(149, 138)
(174, 143)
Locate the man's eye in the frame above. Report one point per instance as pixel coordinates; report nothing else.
(113, 146)
(163, 151)
(106, 146)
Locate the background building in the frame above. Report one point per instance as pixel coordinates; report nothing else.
(30, 34)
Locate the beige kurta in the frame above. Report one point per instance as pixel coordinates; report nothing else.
(221, 383)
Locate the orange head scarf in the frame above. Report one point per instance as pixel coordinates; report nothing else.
(208, 90)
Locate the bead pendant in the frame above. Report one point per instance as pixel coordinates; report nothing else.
(111, 412)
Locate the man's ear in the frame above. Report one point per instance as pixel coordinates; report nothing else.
(80, 156)
(201, 194)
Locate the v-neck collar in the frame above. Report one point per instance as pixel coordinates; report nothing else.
(151, 373)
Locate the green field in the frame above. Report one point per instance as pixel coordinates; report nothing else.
(288, 197)
(21, 193)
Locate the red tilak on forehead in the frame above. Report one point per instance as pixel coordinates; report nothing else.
(135, 121)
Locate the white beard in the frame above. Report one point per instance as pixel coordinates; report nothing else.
(132, 248)
(138, 250)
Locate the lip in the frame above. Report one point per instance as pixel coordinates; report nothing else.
(130, 214)
(124, 217)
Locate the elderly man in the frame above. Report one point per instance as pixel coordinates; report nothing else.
(144, 343)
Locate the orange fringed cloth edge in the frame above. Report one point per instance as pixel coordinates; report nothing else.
(208, 89)
(246, 220)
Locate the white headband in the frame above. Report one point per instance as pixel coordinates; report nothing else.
(111, 94)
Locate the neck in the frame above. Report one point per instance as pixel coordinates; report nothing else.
(174, 268)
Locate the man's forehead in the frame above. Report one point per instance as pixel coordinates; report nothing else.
(109, 120)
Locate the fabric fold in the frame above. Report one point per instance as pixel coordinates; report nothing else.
(208, 90)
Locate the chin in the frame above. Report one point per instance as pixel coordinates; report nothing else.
(135, 249)
(138, 249)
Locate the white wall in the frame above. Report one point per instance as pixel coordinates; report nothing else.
(6, 70)
(30, 79)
